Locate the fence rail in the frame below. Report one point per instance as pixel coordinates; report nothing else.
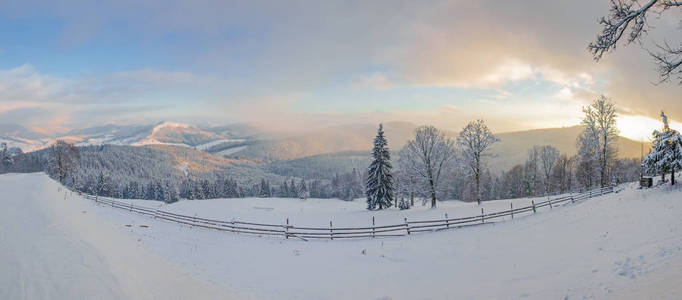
(331, 232)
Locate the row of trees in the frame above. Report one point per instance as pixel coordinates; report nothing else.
(431, 158)
(424, 162)
(546, 171)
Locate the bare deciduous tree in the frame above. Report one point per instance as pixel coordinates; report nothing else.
(530, 171)
(629, 16)
(427, 155)
(548, 156)
(474, 140)
(600, 133)
(63, 159)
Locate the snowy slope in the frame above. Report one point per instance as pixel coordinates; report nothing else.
(624, 245)
(165, 133)
(54, 248)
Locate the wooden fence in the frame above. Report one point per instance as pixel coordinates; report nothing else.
(304, 233)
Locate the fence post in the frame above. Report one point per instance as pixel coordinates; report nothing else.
(286, 231)
(550, 203)
(331, 231)
(447, 222)
(590, 193)
(407, 226)
(533, 201)
(131, 207)
(373, 229)
(511, 208)
(482, 218)
(572, 201)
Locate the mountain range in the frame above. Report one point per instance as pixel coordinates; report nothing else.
(328, 145)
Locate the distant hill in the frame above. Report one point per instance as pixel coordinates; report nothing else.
(164, 133)
(329, 140)
(321, 166)
(326, 149)
(511, 150)
(513, 146)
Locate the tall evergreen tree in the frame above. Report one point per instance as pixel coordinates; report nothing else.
(667, 151)
(379, 178)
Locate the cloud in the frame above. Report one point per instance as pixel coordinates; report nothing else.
(240, 53)
(48, 103)
(376, 80)
(40, 119)
(23, 83)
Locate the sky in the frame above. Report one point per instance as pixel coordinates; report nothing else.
(296, 65)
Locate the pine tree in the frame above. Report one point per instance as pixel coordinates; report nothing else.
(103, 185)
(303, 190)
(666, 155)
(264, 189)
(293, 191)
(379, 178)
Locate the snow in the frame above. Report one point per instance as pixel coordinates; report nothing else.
(315, 212)
(623, 245)
(230, 151)
(52, 247)
(218, 142)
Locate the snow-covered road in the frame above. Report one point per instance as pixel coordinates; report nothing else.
(620, 246)
(56, 248)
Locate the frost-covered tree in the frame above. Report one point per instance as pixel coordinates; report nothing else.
(379, 184)
(548, 156)
(600, 134)
(63, 160)
(531, 171)
(562, 174)
(628, 19)
(5, 159)
(588, 158)
(474, 141)
(513, 183)
(103, 185)
(428, 155)
(408, 182)
(264, 189)
(666, 154)
(303, 192)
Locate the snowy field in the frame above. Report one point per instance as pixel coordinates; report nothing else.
(59, 246)
(318, 212)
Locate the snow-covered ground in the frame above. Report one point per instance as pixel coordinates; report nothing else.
(56, 247)
(624, 245)
(318, 212)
